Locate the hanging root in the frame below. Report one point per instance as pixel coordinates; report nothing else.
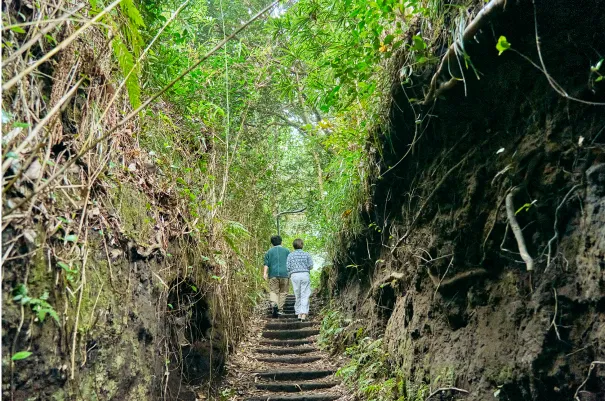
(480, 20)
(514, 225)
(592, 366)
(555, 237)
(444, 389)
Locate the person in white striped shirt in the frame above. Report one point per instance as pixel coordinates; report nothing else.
(299, 264)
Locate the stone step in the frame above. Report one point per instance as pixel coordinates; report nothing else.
(294, 325)
(290, 375)
(290, 334)
(289, 359)
(302, 397)
(287, 320)
(287, 304)
(295, 387)
(286, 343)
(289, 315)
(287, 351)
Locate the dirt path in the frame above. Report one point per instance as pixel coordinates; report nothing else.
(281, 361)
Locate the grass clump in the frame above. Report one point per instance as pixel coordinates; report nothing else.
(370, 371)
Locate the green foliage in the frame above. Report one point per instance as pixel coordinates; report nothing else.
(235, 233)
(315, 276)
(39, 306)
(372, 375)
(71, 272)
(17, 29)
(332, 325)
(20, 355)
(369, 372)
(502, 45)
(128, 7)
(126, 62)
(125, 24)
(596, 70)
(525, 207)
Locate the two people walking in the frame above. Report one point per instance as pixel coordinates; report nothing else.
(280, 267)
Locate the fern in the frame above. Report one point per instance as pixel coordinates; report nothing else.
(126, 62)
(128, 8)
(235, 233)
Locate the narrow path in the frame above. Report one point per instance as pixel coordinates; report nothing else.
(281, 362)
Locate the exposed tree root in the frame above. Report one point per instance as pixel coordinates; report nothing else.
(556, 235)
(480, 20)
(426, 201)
(441, 390)
(442, 283)
(514, 225)
(593, 364)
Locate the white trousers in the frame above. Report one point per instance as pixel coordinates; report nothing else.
(302, 291)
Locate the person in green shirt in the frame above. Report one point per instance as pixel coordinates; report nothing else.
(276, 271)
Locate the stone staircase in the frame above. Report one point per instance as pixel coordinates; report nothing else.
(293, 368)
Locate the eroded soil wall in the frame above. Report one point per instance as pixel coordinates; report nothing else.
(148, 324)
(461, 301)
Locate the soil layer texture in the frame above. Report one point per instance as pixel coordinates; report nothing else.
(438, 270)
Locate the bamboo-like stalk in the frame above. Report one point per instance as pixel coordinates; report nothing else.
(11, 82)
(141, 57)
(135, 112)
(36, 38)
(42, 123)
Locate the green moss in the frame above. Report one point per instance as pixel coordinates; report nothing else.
(500, 375)
(59, 395)
(98, 294)
(39, 267)
(132, 206)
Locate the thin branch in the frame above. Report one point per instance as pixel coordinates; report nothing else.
(43, 32)
(59, 47)
(141, 57)
(75, 333)
(554, 84)
(135, 112)
(42, 123)
(442, 277)
(481, 19)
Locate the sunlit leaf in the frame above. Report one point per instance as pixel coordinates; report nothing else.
(17, 29)
(71, 238)
(20, 355)
(502, 45)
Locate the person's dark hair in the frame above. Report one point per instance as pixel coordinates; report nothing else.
(298, 243)
(276, 240)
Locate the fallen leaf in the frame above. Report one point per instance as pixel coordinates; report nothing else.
(34, 171)
(30, 235)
